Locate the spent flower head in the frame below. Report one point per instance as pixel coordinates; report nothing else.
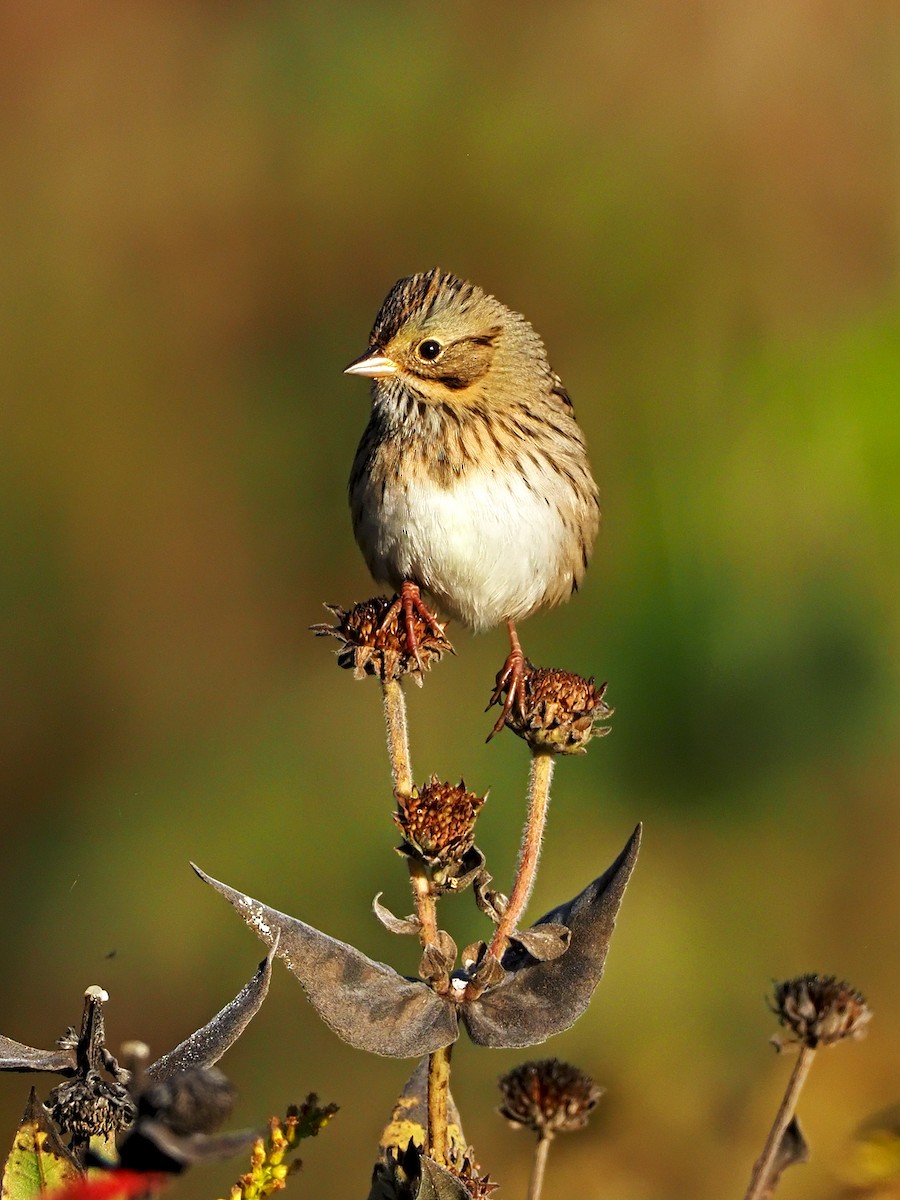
(469, 1175)
(560, 711)
(548, 1097)
(374, 640)
(819, 1010)
(438, 822)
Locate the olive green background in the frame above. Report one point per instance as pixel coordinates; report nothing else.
(202, 206)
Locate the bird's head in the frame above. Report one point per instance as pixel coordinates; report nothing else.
(439, 337)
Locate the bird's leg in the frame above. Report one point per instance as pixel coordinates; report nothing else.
(511, 677)
(411, 605)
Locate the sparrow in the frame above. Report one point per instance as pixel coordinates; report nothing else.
(471, 482)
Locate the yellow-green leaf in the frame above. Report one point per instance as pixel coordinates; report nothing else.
(38, 1161)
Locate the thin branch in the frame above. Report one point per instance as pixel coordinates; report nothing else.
(538, 1166)
(763, 1166)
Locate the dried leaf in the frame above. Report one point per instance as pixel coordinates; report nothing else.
(539, 999)
(438, 960)
(472, 955)
(436, 1183)
(491, 902)
(792, 1150)
(366, 1003)
(488, 974)
(544, 942)
(402, 925)
(208, 1044)
(14, 1056)
(409, 1120)
(519, 1002)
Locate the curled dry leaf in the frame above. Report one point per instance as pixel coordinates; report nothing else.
(438, 961)
(544, 942)
(491, 902)
(393, 924)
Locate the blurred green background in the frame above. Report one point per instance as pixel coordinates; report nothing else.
(202, 206)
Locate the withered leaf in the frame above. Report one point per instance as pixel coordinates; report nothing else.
(393, 924)
(472, 954)
(792, 1150)
(539, 999)
(518, 1002)
(491, 902)
(409, 1120)
(438, 960)
(456, 877)
(488, 974)
(436, 1183)
(544, 942)
(366, 1003)
(14, 1056)
(207, 1045)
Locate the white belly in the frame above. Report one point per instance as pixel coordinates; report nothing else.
(487, 549)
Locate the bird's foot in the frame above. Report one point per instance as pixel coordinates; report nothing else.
(410, 605)
(510, 679)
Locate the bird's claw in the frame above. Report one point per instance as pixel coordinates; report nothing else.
(411, 605)
(510, 679)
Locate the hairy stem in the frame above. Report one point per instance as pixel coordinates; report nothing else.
(538, 803)
(397, 735)
(438, 1096)
(763, 1165)
(538, 1166)
(426, 903)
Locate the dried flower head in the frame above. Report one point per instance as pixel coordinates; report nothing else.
(91, 1106)
(469, 1175)
(548, 1097)
(438, 823)
(374, 641)
(819, 1010)
(561, 711)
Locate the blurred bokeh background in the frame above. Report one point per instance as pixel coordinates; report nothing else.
(202, 206)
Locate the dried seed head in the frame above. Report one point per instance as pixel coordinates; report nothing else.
(560, 711)
(819, 1010)
(90, 1106)
(438, 822)
(548, 1097)
(374, 641)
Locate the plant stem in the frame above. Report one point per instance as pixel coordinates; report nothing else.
(538, 1166)
(426, 911)
(538, 803)
(426, 903)
(397, 735)
(438, 1095)
(763, 1165)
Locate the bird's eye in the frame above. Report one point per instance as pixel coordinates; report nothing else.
(429, 349)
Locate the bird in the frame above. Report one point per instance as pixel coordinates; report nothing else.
(471, 482)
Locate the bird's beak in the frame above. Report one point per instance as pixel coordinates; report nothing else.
(374, 366)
